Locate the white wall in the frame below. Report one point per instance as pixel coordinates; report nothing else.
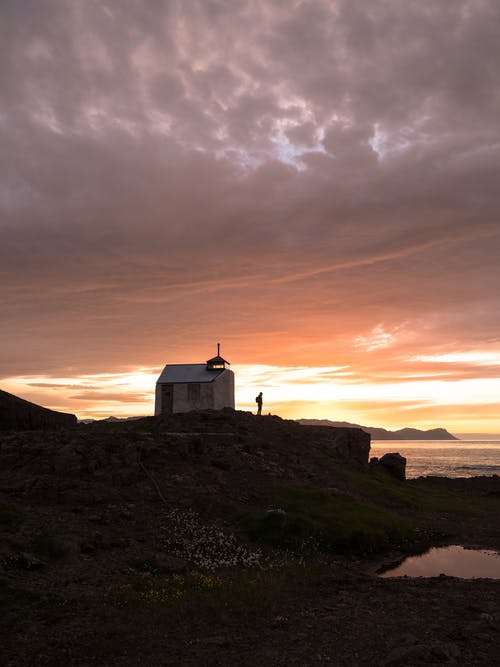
(213, 395)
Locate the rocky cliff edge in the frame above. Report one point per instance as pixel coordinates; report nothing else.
(16, 414)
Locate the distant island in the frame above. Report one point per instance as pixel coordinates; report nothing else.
(384, 434)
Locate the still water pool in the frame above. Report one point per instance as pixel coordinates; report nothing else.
(454, 561)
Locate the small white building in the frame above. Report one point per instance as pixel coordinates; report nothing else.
(185, 387)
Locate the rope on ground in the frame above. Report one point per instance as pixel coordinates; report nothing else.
(162, 498)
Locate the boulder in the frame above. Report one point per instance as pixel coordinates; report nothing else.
(393, 463)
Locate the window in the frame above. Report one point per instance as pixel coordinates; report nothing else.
(194, 392)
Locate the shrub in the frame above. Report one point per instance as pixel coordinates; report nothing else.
(195, 595)
(331, 521)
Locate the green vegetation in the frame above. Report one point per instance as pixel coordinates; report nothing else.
(415, 500)
(435, 499)
(308, 517)
(384, 513)
(197, 595)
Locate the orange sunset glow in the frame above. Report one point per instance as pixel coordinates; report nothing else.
(309, 183)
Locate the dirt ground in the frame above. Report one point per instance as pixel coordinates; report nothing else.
(346, 619)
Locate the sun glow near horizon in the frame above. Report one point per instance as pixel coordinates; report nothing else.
(337, 393)
(342, 239)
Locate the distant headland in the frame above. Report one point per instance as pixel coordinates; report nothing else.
(384, 434)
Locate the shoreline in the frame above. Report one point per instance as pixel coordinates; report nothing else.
(442, 459)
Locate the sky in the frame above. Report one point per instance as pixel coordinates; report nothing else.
(314, 185)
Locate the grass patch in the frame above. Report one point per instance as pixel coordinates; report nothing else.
(299, 517)
(380, 513)
(428, 500)
(381, 488)
(308, 519)
(215, 597)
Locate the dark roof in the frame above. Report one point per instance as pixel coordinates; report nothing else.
(180, 373)
(217, 360)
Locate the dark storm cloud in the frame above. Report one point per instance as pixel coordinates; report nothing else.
(176, 170)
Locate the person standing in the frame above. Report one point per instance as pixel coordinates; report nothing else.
(258, 400)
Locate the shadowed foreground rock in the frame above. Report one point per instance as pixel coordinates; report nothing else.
(16, 414)
(393, 463)
(197, 451)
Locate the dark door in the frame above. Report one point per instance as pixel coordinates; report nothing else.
(167, 399)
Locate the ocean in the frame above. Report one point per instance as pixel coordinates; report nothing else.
(447, 458)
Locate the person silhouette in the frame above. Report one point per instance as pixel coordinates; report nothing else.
(258, 400)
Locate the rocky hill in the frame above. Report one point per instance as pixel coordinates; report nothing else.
(16, 414)
(223, 538)
(383, 434)
(227, 452)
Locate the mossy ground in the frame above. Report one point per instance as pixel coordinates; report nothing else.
(379, 513)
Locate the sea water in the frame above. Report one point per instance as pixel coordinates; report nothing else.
(454, 561)
(445, 458)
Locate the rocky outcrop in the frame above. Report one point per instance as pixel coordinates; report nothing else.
(16, 414)
(393, 463)
(235, 452)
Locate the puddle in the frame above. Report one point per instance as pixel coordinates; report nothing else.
(454, 561)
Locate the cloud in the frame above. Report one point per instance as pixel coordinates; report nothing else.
(286, 176)
(377, 339)
(106, 397)
(473, 357)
